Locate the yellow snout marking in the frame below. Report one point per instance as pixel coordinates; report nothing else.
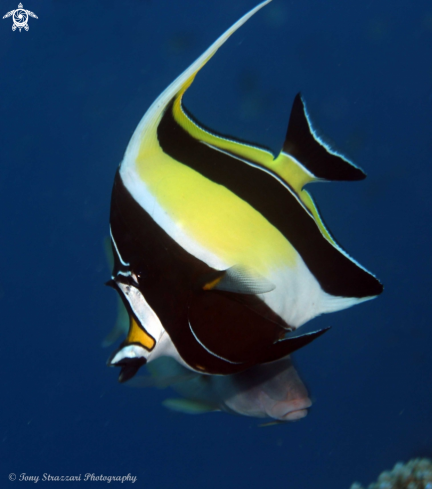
(138, 335)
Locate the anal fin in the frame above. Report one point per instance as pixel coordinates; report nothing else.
(288, 345)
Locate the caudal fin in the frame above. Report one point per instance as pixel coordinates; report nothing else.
(303, 143)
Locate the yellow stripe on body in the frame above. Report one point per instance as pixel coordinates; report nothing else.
(283, 165)
(297, 177)
(212, 215)
(310, 204)
(252, 153)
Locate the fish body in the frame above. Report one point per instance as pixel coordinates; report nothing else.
(273, 390)
(219, 252)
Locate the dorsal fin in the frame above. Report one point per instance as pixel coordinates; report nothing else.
(303, 143)
(144, 140)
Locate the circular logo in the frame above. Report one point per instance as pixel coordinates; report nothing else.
(12, 476)
(20, 18)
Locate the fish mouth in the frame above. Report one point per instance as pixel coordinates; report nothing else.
(135, 350)
(130, 359)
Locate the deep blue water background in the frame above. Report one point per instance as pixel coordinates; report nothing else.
(72, 90)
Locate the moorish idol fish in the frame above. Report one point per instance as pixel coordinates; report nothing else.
(219, 252)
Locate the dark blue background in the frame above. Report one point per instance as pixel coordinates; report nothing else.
(72, 90)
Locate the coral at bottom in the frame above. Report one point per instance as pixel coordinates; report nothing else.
(415, 474)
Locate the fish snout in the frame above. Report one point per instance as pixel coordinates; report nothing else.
(130, 359)
(290, 410)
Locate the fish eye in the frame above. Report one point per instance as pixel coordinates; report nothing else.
(135, 278)
(137, 275)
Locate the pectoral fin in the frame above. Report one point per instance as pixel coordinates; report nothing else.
(239, 280)
(188, 407)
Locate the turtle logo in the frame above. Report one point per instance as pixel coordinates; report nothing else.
(20, 17)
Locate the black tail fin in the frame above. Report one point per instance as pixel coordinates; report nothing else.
(303, 143)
